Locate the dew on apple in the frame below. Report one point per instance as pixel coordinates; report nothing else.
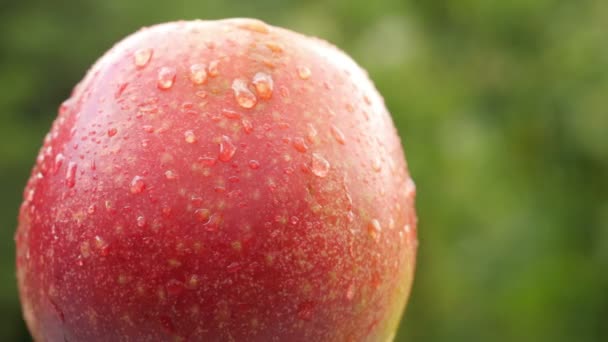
(230, 114)
(166, 78)
(213, 69)
(374, 228)
(254, 164)
(112, 132)
(189, 137)
(243, 96)
(141, 221)
(255, 26)
(137, 185)
(142, 57)
(377, 164)
(263, 85)
(299, 144)
(202, 215)
(304, 72)
(247, 126)
(170, 175)
(319, 165)
(227, 149)
(337, 134)
(198, 74)
(70, 177)
(59, 158)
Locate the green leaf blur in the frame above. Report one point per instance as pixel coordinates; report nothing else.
(502, 108)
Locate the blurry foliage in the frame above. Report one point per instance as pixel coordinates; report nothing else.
(502, 109)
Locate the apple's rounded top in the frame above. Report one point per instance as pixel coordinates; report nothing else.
(219, 180)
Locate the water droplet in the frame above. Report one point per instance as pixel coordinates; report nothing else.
(254, 164)
(70, 176)
(91, 209)
(247, 126)
(311, 132)
(263, 85)
(202, 215)
(141, 221)
(59, 158)
(337, 133)
(374, 228)
(234, 267)
(166, 78)
(299, 144)
(319, 165)
(142, 57)
(197, 201)
(274, 47)
(350, 291)
(213, 69)
(193, 282)
(137, 185)
(112, 132)
(294, 220)
(207, 161)
(227, 149)
(243, 96)
(304, 72)
(121, 89)
(198, 74)
(170, 175)
(377, 164)
(255, 26)
(230, 114)
(101, 245)
(189, 137)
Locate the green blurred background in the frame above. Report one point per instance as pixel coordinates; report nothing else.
(503, 110)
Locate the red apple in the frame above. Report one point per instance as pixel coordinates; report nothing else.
(218, 181)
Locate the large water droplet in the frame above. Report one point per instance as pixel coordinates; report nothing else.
(189, 137)
(166, 78)
(70, 176)
(137, 185)
(243, 96)
(319, 165)
(141, 221)
(304, 72)
(337, 134)
(263, 85)
(142, 57)
(198, 74)
(227, 149)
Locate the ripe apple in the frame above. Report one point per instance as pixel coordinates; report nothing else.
(218, 181)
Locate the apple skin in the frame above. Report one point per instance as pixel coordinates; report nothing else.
(218, 181)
